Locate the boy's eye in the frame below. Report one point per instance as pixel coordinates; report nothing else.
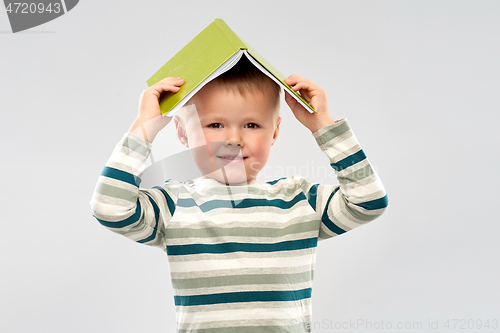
(252, 125)
(215, 125)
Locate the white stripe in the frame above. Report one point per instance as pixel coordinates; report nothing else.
(357, 193)
(187, 216)
(338, 151)
(118, 183)
(287, 191)
(243, 314)
(201, 265)
(111, 212)
(344, 222)
(274, 214)
(128, 164)
(288, 255)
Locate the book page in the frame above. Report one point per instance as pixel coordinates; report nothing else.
(271, 76)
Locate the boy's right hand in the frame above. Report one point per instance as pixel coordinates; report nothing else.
(150, 121)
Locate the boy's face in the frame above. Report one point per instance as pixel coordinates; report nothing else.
(231, 135)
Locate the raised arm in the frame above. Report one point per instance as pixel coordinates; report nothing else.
(360, 197)
(117, 203)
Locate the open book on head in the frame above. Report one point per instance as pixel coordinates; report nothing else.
(212, 52)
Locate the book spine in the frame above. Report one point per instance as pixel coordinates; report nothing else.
(231, 37)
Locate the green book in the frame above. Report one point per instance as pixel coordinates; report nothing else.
(212, 52)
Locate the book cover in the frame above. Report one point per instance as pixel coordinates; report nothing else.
(213, 51)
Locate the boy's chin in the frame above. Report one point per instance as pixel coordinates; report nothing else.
(228, 178)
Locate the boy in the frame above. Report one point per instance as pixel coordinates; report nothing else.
(243, 261)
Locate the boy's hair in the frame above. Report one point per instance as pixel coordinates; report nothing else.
(241, 78)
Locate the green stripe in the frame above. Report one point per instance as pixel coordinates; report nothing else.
(360, 216)
(332, 133)
(349, 161)
(231, 247)
(234, 280)
(121, 175)
(244, 296)
(116, 192)
(210, 232)
(375, 204)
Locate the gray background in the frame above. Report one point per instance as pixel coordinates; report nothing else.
(418, 81)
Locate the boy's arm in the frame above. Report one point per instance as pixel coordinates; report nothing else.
(117, 202)
(119, 205)
(360, 197)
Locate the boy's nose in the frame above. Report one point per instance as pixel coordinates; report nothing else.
(233, 138)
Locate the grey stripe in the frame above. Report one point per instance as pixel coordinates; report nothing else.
(247, 326)
(332, 133)
(116, 192)
(357, 175)
(250, 329)
(133, 144)
(273, 221)
(323, 235)
(212, 229)
(241, 280)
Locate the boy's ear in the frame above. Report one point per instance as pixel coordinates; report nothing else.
(276, 130)
(181, 131)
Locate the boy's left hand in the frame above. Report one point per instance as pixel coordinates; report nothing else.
(315, 96)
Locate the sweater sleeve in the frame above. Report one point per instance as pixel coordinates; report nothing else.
(360, 196)
(118, 203)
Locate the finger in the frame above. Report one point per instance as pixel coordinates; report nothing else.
(293, 79)
(169, 81)
(305, 95)
(169, 87)
(158, 88)
(172, 79)
(306, 85)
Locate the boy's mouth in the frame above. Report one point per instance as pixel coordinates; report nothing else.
(232, 157)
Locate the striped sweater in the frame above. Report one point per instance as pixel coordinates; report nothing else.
(241, 257)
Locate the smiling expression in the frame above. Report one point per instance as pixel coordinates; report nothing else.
(231, 134)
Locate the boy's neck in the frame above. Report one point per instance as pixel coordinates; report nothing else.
(225, 184)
